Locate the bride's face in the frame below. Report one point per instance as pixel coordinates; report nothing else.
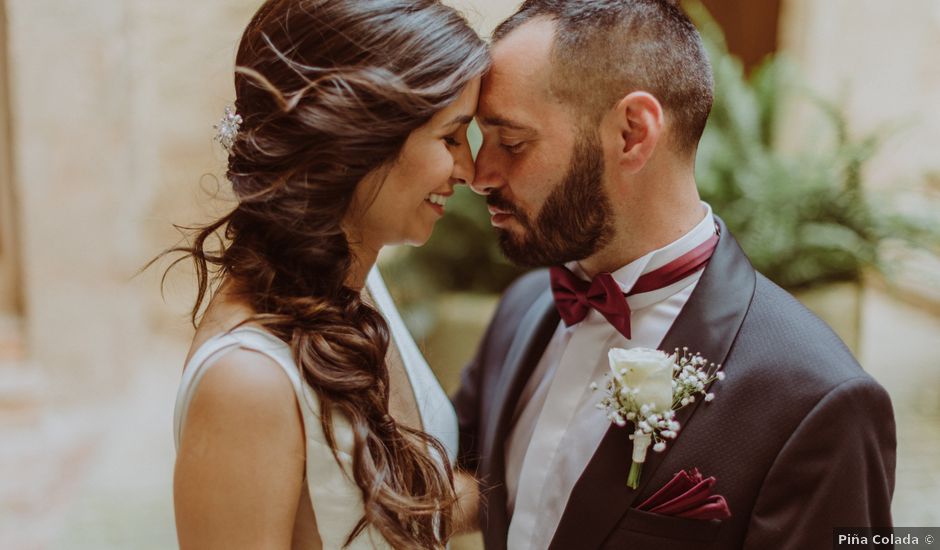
(412, 195)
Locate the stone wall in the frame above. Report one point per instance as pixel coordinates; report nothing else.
(113, 104)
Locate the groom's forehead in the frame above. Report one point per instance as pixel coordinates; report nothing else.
(521, 69)
(525, 53)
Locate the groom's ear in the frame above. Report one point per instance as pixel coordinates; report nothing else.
(638, 121)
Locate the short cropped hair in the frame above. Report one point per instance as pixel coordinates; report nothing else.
(606, 49)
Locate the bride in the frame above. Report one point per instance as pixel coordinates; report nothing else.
(306, 417)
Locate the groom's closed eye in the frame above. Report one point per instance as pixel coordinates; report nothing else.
(513, 148)
(513, 135)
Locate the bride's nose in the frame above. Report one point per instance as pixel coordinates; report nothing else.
(464, 169)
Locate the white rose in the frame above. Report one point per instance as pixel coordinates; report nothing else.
(647, 370)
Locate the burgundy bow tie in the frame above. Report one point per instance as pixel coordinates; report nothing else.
(575, 297)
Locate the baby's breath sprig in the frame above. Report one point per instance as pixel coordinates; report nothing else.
(691, 374)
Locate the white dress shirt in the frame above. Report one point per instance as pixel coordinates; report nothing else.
(557, 425)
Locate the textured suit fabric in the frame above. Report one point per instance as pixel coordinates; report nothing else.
(799, 437)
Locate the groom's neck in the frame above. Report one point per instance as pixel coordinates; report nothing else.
(649, 222)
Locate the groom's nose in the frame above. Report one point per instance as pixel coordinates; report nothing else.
(488, 175)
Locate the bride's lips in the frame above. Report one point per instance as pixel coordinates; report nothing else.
(436, 207)
(498, 217)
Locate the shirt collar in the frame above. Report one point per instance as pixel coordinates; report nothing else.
(627, 275)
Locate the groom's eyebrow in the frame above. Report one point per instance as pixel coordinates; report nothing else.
(503, 123)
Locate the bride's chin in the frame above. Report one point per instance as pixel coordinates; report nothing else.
(415, 239)
(420, 242)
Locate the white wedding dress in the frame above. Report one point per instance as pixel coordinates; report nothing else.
(336, 499)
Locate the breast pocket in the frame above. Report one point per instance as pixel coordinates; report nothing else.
(640, 529)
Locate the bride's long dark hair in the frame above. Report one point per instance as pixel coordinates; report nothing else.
(329, 91)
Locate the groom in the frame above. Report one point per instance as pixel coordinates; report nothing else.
(591, 118)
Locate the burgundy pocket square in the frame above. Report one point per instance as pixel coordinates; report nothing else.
(688, 495)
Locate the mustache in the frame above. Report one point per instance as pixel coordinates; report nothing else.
(497, 200)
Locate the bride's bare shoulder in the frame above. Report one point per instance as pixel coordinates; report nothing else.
(241, 456)
(243, 390)
(244, 382)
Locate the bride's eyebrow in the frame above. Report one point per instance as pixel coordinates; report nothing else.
(460, 119)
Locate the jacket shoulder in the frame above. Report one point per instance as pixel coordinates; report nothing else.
(789, 341)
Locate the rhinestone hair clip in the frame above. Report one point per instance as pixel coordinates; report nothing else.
(227, 128)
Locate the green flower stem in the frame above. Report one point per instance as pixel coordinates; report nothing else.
(633, 480)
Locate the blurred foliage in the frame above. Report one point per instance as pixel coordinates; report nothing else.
(803, 217)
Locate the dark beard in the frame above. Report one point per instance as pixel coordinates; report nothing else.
(575, 221)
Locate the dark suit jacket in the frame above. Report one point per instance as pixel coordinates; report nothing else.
(799, 437)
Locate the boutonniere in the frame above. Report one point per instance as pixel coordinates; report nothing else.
(646, 387)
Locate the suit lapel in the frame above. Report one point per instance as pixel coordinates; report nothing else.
(708, 323)
(533, 334)
(527, 347)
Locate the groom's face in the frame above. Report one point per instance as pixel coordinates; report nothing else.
(541, 170)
